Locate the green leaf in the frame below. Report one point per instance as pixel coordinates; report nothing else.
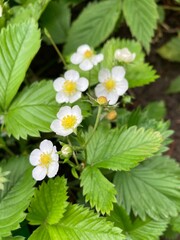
(32, 111)
(155, 110)
(56, 19)
(78, 223)
(138, 229)
(141, 17)
(49, 202)
(14, 238)
(122, 150)
(30, 9)
(140, 74)
(19, 44)
(94, 24)
(150, 189)
(113, 44)
(171, 50)
(98, 190)
(15, 197)
(174, 86)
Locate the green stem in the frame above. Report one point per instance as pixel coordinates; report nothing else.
(74, 154)
(8, 150)
(173, 8)
(55, 47)
(95, 125)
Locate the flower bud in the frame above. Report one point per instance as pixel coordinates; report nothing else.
(102, 100)
(66, 151)
(124, 55)
(1, 11)
(111, 115)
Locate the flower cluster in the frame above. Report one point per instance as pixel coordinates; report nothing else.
(69, 88)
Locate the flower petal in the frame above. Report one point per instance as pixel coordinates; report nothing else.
(82, 84)
(83, 48)
(55, 125)
(71, 75)
(64, 132)
(100, 91)
(58, 84)
(76, 58)
(97, 58)
(63, 111)
(54, 155)
(39, 173)
(62, 98)
(35, 157)
(112, 98)
(52, 169)
(86, 65)
(104, 74)
(75, 97)
(46, 146)
(122, 87)
(118, 73)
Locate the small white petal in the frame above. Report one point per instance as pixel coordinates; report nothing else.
(83, 48)
(39, 173)
(86, 65)
(63, 111)
(46, 146)
(75, 97)
(54, 155)
(58, 84)
(97, 58)
(71, 75)
(100, 91)
(104, 74)
(76, 58)
(82, 84)
(52, 169)
(118, 73)
(62, 98)
(64, 132)
(35, 157)
(122, 87)
(76, 110)
(55, 125)
(112, 98)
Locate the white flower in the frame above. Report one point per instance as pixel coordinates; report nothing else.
(86, 58)
(70, 87)
(45, 159)
(68, 120)
(112, 84)
(1, 11)
(124, 55)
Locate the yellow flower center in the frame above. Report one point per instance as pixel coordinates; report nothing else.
(88, 53)
(109, 84)
(45, 159)
(69, 121)
(69, 87)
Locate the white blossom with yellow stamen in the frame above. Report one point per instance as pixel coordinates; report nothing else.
(68, 120)
(45, 159)
(86, 58)
(112, 84)
(70, 88)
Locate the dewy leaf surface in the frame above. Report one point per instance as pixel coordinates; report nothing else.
(98, 190)
(32, 111)
(122, 150)
(19, 44)
(141, 17)
(93, 25)
(152, 188)
(15, 197)
(79, 223)
(49, 202)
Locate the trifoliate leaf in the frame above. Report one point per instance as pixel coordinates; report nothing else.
(94, 24)
(49, 202)
(56, 19)
(171, 50)
(19, 44)
(32, 111)
(150, 189)
(78, 223)
(141, 17)
(122, 149)
(137, 229)
(174, 86)
(98, 190)
(15, 197)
